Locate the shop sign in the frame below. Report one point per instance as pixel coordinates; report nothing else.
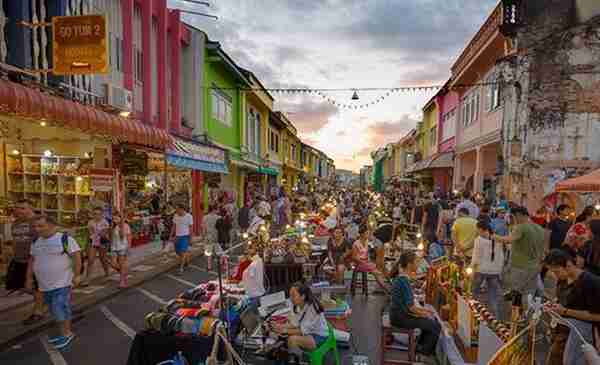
(134, 163)
(199, 152)
(102, 179)
(80, 45)
(135, 184)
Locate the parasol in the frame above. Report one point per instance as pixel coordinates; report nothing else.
(589, 183)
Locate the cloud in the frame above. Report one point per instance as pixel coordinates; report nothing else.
(381, 133)
(309, 116)
(341, 133)
(428, 28)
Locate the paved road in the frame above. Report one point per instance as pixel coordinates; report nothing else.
(105, 332)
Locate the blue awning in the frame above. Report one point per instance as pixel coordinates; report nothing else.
(196, 156)
(189, 163)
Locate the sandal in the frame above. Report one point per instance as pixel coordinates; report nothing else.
(32, 319)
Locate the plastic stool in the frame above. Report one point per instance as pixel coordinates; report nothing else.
(386, 331)
(316, 356)
(365, 282)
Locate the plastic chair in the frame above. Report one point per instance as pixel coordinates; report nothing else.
(316, 356)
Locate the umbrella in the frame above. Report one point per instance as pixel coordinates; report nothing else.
(589, 183)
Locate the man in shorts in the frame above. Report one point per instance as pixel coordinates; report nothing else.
(181, 235)
(23, 235)
(56, 262)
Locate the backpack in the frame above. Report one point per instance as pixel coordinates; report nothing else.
(64, 239)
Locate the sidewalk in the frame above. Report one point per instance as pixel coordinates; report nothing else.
(146, 262)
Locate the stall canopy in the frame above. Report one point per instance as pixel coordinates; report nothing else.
(27, 103)
(589, 183)
(268, 171)
(195, 156)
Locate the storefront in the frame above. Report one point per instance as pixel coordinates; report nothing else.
(58, 154)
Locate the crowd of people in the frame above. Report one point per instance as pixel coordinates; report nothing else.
(511, 254)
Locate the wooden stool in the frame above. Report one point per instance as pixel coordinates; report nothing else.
(387, 331)
(365, 282)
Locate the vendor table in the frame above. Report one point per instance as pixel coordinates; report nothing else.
(151, 348)
(283, 275)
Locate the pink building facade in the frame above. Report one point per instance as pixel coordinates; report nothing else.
(154, 38)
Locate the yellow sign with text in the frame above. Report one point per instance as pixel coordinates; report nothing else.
(80, 45)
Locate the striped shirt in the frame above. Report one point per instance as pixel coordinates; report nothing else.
(402, 295)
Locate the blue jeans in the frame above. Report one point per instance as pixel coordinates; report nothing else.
(494, 289)
(573, 354)
(59, 303)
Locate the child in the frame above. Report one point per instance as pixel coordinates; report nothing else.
(120, 237)
(487, 264)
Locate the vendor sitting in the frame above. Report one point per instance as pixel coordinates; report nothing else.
(307, 328)
(253, 276)
(339, 251)
(403, 311)
(360, 256)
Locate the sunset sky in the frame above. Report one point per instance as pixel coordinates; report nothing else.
(345, 45)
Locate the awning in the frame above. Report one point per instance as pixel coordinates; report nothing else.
(244, 164)
(589, 183)
(28, 103)
(268, 171)
(438, 161)
(196, 156)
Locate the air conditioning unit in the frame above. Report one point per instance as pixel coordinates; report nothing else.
(118, 97)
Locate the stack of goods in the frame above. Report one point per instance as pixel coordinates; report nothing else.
(337, 311)
(482, 314)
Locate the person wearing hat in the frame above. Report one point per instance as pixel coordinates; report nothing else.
(527, 242)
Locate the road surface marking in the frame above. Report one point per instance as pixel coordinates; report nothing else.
(117, 322)
(56, 358)
(152, 296)
(185, 282)
(196, 267)
(142, 268)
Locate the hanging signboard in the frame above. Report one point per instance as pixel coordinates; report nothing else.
(102, 179)
(134, 163)
(80, 45)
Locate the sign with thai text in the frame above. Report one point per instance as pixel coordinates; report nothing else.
(80, 45)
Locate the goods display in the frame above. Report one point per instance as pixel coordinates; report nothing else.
(56, 185)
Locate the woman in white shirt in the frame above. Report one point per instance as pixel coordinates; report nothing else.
(253, 276)
(487, 263)
(307, 328)
(120, 243)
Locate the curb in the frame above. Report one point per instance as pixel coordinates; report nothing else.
(85, 304)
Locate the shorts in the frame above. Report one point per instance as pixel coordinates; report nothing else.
(59, 303)
(365, 266)
(119, 253)
(319, 340)
(182, 244)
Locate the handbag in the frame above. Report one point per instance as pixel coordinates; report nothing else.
(15, 275)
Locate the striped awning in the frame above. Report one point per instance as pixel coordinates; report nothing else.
(196, 156)
(31, 104)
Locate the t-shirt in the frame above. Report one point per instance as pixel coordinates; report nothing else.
(51, 266)
(483, 251)
(253, 278)
(338, 252)
(465, 230)
(120, 242)
(402, 295)
(558, 232)
(182, 224)
(528, 249)
(23, 235)
(584, 293)
(471, 207)
(96, 228)
(311, 322)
